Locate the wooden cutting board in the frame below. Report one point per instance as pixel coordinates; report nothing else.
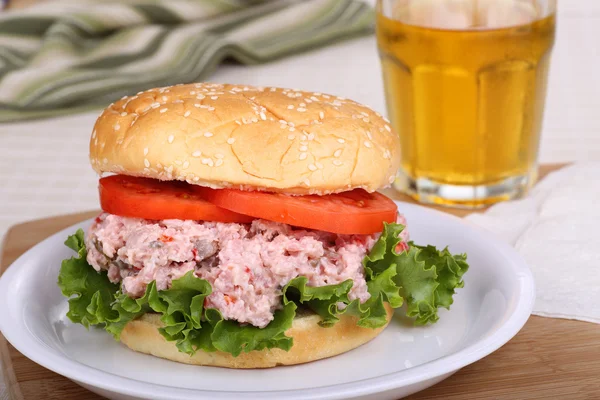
(548, 359)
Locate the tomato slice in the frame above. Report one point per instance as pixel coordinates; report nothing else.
(146, 198)
(353, 212)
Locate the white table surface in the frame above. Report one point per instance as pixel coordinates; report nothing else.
(44, 169)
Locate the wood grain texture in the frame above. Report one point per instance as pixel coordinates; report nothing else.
(18, 4)
(548, 359)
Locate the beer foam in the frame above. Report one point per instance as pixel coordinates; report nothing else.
(467, 14)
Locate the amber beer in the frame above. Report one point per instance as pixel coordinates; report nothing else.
(465, 91)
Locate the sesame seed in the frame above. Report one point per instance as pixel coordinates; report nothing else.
(187, 113)
(197, 105)
(263, 116)
(310, 136)
(211, 109)
(301, 109)
(326, 96)
(123, 114)
(319, 165)
(238, 122)
(302, 156)
(214, 97)
(196, 179)
(367, 144)
(292, 137)
(313, 98)
(219, 162)
(206, 161)
(201, 96)
(231, 140)
(369, 135)
(117, 127)
(146, 163)
(292, 129)
(306, 182)
(254, 119)
(196, 153)
(341, 140)
(302, 104)
(337, 153)
(193, 92)
(337, 163)
(364, 113)
(391, 180)
(312, 167)
(321, 114)
(387, 128)
(186, 164)
(171, 138)
(303, 148)
(94, 134)
(207, 134)
(290, 107)
(155, 105)
(291, 124)
(164, 110)
(145, 151)
(366, 120)
(105, 160)
(219, 155)
(282, 121)
(164, 98)
(387, 154)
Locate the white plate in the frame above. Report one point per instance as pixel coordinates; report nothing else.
(489, 311)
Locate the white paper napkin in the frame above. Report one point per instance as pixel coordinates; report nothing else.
(557, 230)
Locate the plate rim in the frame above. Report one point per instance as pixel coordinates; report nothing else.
(30, 347)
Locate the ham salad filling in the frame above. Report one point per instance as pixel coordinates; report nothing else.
(247, 265)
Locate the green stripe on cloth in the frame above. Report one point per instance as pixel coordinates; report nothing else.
(88, 56)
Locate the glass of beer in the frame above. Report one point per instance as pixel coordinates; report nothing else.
(465, 84)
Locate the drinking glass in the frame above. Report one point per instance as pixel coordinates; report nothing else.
(465, 85)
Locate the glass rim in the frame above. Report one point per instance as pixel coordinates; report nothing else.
(383, 8)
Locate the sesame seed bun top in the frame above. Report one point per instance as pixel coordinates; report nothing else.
(252, 138)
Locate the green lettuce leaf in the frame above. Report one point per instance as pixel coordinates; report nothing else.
(231, 337)
(91, 294)
(426, 278)
(322, 300)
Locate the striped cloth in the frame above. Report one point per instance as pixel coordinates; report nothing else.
(69, 56)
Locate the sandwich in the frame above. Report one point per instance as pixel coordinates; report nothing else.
(241, 227)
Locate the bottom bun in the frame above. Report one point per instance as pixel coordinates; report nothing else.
(311, 342)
